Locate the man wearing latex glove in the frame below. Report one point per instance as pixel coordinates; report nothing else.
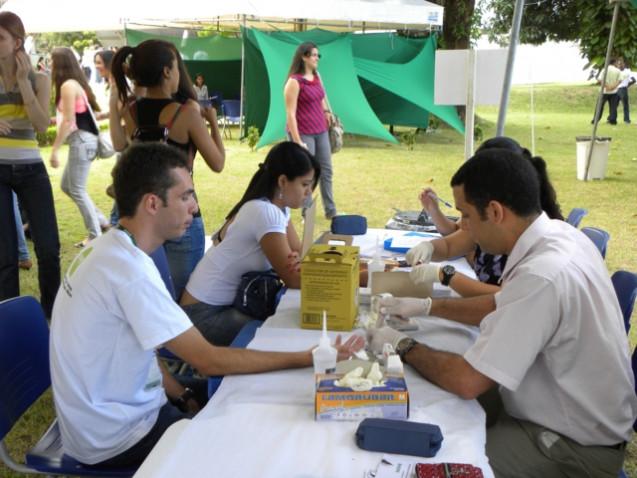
(420, 253)
(384, 335)
(556, 321)
(405, 307)
(425, 274)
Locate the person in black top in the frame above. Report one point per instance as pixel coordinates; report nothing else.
(167, 111)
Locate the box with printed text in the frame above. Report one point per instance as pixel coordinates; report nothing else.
(334, 403)
(329, 281)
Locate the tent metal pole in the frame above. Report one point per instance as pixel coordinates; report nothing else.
(242, 125)
(600, 98)
(470, 108)
(508, 74)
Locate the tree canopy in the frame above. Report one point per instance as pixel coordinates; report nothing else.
(582, 21)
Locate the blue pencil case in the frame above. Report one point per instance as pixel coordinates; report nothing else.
(397, 436)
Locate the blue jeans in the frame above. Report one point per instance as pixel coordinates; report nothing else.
(319, 146)
(219, 324)
(82, 151)
(23, 250)
(184, 253)
(622, 95)
(32, 185)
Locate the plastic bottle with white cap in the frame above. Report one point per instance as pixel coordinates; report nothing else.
(376, 265)
(324, 356)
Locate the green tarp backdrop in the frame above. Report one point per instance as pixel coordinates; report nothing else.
(371, 79)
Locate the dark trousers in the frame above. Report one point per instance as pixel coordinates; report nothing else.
(622, 95)
(135, 455)
(32, 185)
(612, 101)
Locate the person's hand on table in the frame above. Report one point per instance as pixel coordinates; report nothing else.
(405, 307)
(420, 253)
(345, 350)
(385, 335)
(294, 262)
(425, 274)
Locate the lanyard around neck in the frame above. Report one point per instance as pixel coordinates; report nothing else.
(128, 233)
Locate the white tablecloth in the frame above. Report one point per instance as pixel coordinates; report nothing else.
(262, 425)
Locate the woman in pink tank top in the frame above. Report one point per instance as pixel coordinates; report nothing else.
(309, 118)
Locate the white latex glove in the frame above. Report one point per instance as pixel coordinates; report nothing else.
(420, 253)
(382, 336)
(425, 274)
(405, 307)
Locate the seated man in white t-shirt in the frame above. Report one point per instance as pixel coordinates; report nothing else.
(113, 311)
(555, 345)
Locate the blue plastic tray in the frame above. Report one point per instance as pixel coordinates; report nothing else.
(402, 250)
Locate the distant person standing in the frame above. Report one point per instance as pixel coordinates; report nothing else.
(308, 116)
(613, 79)
(622, 92)
(74, 100)
(24, 95)
(200, 88)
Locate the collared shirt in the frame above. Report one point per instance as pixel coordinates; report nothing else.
(627, 75)
(556, 342)
(613, 76)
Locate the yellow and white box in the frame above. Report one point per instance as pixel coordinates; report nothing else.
(329, 282)
(334, 403)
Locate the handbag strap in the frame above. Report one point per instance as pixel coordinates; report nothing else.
(327, 100)
(90, 109)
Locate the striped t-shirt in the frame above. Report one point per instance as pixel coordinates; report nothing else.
(20, 145)
(310, 117)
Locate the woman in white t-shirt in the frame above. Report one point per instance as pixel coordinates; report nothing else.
(257, 235)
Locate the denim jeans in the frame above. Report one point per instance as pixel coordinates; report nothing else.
(622, 95)
(319, 146)
(23, 250)
(219, 324)
(82, 151)
(32, 185)
(184, 253)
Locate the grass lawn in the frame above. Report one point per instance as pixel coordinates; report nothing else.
(372, 177)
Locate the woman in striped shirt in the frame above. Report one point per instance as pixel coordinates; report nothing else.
(309, 118)
(24, 109)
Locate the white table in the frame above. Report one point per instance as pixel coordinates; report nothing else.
(262, 425)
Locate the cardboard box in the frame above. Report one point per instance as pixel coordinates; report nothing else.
(329, 281)
(334, 403)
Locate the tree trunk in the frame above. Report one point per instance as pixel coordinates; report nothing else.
(456, 30)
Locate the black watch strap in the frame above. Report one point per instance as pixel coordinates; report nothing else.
(404, 347)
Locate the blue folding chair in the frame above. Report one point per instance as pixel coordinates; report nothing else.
(625, 284)
(231, 110)
(241, 341)
(24, 377)
(575, 216)
(599, 237)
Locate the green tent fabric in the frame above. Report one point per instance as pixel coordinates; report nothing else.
(413, 81)
(217, 58)
(338, 76)
(212, 48)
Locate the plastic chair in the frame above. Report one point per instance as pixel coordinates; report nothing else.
(241, 341)
(625, 284)
(575, 216)
(231, 110)
(599, 237)
(24, 377)
(161, 261)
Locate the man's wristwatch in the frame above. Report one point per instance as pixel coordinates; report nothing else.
(182, 401)
(404, 346)
(447, 273)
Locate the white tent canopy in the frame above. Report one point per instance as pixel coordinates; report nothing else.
(82, 15)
